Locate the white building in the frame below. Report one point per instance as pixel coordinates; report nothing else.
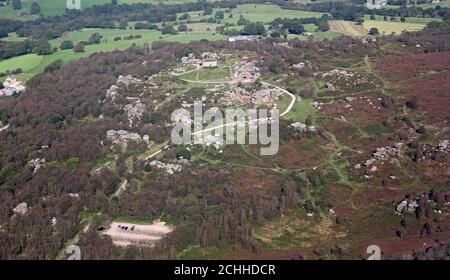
(240, 38)
(376, 4)
(73, 4)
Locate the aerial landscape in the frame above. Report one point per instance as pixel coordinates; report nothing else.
(139, 129)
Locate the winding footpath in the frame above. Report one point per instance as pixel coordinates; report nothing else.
(288, 109)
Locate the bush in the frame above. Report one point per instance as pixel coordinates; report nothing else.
(79, 48)
(182, 28)
(185, 16)
(242, 21)
(17, 4)
(43, 47)
(17, 71)
(95, 38)
(182, 152)
(144, 25)
(66, 45)
(254, 29)
(35, 8)
(374, 31)
(168, 29)
(412, 103)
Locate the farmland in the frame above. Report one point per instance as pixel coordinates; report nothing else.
(256, 13)
(198, 30)
(385, 27)
(389, 27)
(37, 63)
(58, 7)
(347, 28)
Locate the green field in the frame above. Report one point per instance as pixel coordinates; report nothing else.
(415, 20)
(213, 74)
(36, 66)
(256, 13)
(319, 36)
(202, 27)
(392, 27)
(58, 7)
(25, 62)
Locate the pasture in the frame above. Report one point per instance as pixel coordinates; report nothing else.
(58, 7)
(33, 64)
(254, 12)
(348, 28)
(392, 27)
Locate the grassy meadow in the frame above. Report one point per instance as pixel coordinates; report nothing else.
(58, 7)
(33, 64)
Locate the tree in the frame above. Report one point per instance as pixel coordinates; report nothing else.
(114, 2)
(296, 28)
(79, 48)
(412, 102)
(254, 29)
(17, 4)
(43, 47)
(275, 34)
(168, 29)
(185, 16)
(121, 165)
(182, 28)
(402, 19)
(66, 45)
(208, 10)
(374, 31)
(242, 21)
(95, 38)
(219, 15)
(35, 8)
(182, 152)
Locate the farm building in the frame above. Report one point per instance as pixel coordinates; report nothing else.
(240, 38)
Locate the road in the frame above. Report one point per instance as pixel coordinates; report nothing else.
(98, 169)
(288, 109)
(120, 189)
(156, 153)
(5, 127)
